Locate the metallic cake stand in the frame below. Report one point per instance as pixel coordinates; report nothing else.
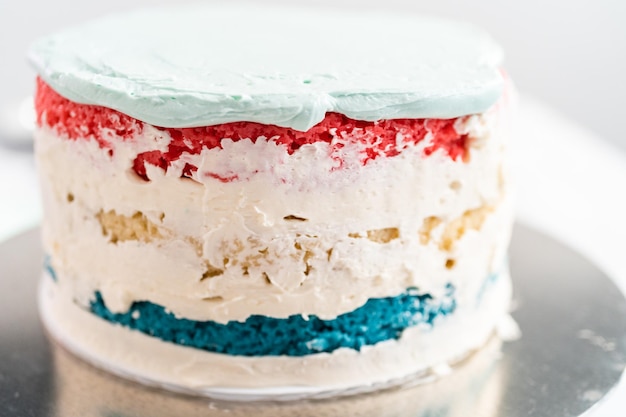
(571, 354)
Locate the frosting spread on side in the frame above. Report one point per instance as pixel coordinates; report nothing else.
(209, 64)
(187, 369)
(286, 237)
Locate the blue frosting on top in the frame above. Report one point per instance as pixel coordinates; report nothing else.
(209, 64)
(378, 320)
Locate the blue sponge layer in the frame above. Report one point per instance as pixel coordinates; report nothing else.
(378, 320)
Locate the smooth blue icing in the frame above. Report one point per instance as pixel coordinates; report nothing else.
(378, 320)
(209, 64)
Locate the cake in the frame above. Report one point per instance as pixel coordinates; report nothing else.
(241, 201)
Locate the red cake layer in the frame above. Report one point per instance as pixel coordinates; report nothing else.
(80, 121)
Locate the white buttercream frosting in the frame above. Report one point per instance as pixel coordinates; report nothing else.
(327, 263)
(209, 64)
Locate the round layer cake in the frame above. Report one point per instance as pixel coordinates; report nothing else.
(243, 201)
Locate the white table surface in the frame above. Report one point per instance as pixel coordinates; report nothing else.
(570, 184)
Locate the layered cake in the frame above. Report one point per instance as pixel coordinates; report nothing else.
(259, 200)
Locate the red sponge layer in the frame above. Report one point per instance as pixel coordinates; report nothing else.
(378, 139)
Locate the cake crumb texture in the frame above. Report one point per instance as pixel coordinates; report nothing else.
(380, 138)
(120, 228)
(378, 320)
(470, 220)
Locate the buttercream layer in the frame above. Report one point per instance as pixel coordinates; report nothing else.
(292, 235)
(419, 349)
(361, 68)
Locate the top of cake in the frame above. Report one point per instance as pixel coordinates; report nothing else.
(204, 65)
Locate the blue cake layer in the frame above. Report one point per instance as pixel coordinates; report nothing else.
(378, 320)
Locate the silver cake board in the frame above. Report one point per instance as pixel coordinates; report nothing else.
(571, 354)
